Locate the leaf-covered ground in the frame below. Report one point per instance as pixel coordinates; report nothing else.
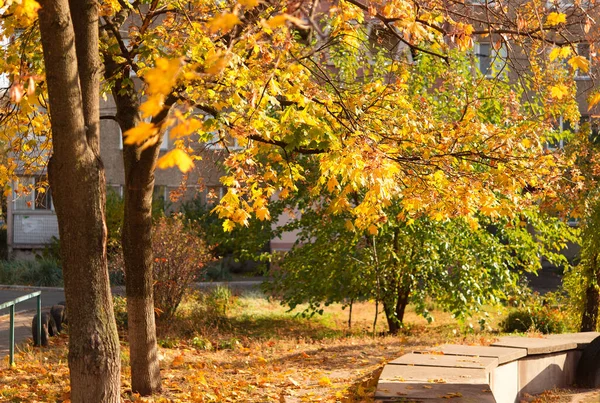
(251, 350)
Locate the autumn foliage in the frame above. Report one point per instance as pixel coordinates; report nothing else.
(180, 258)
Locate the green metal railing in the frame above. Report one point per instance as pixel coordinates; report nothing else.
(11, 332)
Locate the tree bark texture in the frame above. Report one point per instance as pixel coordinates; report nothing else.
(77, 179)
(589, 318)
(140, 166)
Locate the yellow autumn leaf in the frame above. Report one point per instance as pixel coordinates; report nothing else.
(559, 91)
(276, 21)
(579, 62)
(26, 11)
(185, 128)
(224, 22)
(139, 134)
(216, 62)
(249, 3)
(555, 18)
(228, 225)
(178, 361)
(324, 381)
(152, 106)
(593, 100)
(262, 213)
(373, 229)
(163, 76)
(177, 158)
(560, 53)
(332, 184)
(349, 226)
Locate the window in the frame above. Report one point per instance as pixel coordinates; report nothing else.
(39, 198)
(583, 49)
(490, 61)
(562, 131)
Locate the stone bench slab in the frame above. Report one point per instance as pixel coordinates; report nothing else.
(535, 346)
(409, 373)
(435, 392)
(502, 354)
(583, 339)
(442, 360)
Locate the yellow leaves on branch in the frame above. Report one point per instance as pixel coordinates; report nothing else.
(25, 10)
(281, 19)
(178, 158)
(593, 100)
(223, 22)
(579, 62)
(559, 91)
(249, 3)
(554, 19)
(144, 133)
(560, 53)
(162, 78)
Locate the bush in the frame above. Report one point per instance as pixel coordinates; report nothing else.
(180, 257)
(40, 273)
(120, 308)
(540, 314)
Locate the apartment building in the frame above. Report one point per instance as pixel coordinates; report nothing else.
(32, 222)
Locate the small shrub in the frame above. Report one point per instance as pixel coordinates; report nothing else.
(229, 344)
(202, 343)
(542, 315)
(180, 257)
(41, 273)
(219, 300)
(168, 342)
(120, 308)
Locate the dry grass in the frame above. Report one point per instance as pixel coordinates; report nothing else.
(256, 352)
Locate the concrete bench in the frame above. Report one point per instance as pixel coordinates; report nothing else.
(502, 372)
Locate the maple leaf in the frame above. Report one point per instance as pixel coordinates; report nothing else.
(224, 22)
(555, 18)
(262, 213)
(579, 62)
(373, 229)
(152, 106)
(228, 225)
(177, 158)
(141, 133)
(163, 76)
(560, 53)
(249, 3)
(178, 361)
(186, 128)
(559, 91)
(324, 381)
(593, 100)
(26, 11)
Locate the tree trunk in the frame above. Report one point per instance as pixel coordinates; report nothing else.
(589, 319)
(137, 251)
(394, 313)
(78, 185)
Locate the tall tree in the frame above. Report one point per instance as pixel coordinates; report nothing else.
(77, 178)
(283, 79)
